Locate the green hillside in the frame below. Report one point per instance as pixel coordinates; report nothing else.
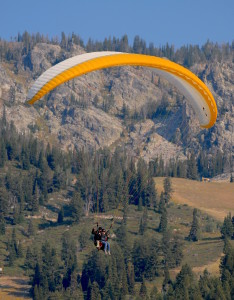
(203, 254)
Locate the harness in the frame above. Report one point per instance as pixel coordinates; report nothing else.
(97, 242)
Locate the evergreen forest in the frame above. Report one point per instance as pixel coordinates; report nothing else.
(51, 199)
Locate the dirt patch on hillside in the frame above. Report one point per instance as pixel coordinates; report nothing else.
(212, 268)
(14, 288)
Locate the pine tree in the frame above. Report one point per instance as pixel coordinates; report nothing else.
(3, 153)
(143, 290)
(167, 280)
(233, 226)
(143, 221)
(77, 207)
(184, 283)
(49, 267)
(29, 259)
(204, 284)
(16, 215)
(11, 256)
(227, 246)
(108, 291)
(79, 294)
(31, 230)
(73, 292)
(154, 295)
(84, 242)
(2, 225)
(37, 277)
(227, 264)
(125, 212)
(124, 283)
(105, 202)
(172, 249)
(113, 276)
(44, 180)
(227, 290)
(68, 255)
(167, 189)
(35, 200)
(166, 249)
(140, 204)
(41, 160)
(141, 227)
(161, 206)
(192, 172)
(4, 118)
(195, 230)
(151, 198)
(3, 201)
(177, 250)
(36, 293)
(227, 228)
(131, 278)
(196, 294)
(60, 216)
(163, 221)
(219, 292)
(13, 238)
(20, 251)
(33, 152)
(95, 293)
(25, 160)
(12, 248)
(28, 190)
(21, 211)
(56, 180)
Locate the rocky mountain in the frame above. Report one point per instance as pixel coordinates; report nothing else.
(128, 106)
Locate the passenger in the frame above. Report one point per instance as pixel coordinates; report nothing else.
(104, 240)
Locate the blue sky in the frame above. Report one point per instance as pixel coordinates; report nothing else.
(178, 22)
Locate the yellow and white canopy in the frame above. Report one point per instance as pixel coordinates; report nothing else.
(194, 90)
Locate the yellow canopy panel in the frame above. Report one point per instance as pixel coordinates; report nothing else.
(194, 90)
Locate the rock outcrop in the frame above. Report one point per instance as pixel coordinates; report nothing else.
(88, 111)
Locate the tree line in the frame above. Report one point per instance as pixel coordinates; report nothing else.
(100, 180)
(193, 167)
(186, 55)
(118, 275)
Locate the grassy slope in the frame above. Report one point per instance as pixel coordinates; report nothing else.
(14, 288)
(214, 198)
(204, 254)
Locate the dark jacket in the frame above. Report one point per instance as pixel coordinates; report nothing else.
(97, 235)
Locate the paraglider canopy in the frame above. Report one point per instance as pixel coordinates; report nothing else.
(194, 90)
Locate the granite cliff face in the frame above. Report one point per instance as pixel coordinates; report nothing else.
(90, 111)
